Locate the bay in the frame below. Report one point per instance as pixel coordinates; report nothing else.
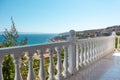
(34, 38)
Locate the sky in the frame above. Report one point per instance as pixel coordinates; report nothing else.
(57, 16)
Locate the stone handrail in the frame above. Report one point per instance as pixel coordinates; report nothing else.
(77, 54)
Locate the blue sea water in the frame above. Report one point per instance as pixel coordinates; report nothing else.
(34, 38)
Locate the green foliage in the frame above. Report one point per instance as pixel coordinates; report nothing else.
(1, 45)
(10, 39)
(24, 66)
(8, 68)
(36, 64)
(116, 42)
(118, 33)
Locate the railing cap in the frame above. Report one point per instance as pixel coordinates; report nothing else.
(72, 33)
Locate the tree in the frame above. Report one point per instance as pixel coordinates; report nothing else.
(11, 39)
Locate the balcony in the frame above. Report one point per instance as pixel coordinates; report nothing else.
(84, 59)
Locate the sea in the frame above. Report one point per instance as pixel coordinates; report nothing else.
(34, 38)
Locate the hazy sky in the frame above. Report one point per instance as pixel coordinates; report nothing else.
(54, 16)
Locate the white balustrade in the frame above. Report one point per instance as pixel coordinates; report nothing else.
(77, 54)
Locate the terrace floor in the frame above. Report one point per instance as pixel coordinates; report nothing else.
(107, 68)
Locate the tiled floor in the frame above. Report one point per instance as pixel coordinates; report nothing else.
(107, 68)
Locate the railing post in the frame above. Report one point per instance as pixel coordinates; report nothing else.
(114, 35)
(72, 52)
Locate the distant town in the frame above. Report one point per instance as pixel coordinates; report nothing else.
(89, 33)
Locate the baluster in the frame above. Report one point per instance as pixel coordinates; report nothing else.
(77, 57)
(83, 52)
(93, 50)
(97, 47)
(1, 65)
(17, 69)
(65, 63)
(51, 67)
(41, 70)
(104, 47)
(84, 61)
(59, 76)
(101, 47)
(91, 47)
(81, 55)
(99, 50)
(86, 47)
(31, 75)
(88, 51)
(113, 43)
(97, 42)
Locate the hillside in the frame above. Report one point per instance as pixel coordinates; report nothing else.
(89, 33)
